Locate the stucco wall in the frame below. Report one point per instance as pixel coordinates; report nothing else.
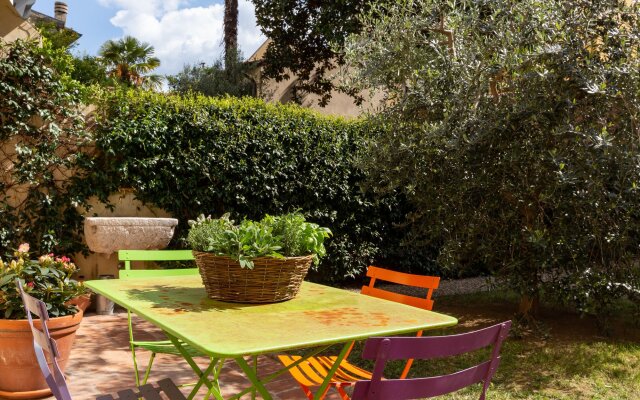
(12, 26)
(339, 104)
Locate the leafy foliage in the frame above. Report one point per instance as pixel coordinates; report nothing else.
(214, 80)
(128, 60)
(86, 69)
(42, 139)
(90, 70)
(298, 237)
(47, 279)
(306, 40)
(60, 38)
(517, 140)
(274, 236)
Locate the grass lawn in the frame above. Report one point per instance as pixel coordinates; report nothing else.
(565, 359)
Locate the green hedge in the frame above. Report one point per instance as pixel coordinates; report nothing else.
(196, 154)
(188, 155)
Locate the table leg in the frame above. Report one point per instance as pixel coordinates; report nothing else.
(327, 380)
(204, 379)
(216, 377)
(253, 378)
(279, 372)
(215, 389)
(255, 367)
(202, 375)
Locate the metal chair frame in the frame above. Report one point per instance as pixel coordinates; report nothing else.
(383, 350)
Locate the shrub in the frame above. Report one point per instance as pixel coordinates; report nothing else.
(189, 155)
(47, 279)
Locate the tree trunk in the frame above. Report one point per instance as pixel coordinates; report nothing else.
(230, 33)
(529, 306)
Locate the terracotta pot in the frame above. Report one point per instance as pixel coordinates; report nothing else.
(82, 302)
(20, 376)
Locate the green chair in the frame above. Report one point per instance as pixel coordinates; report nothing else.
(162, 346)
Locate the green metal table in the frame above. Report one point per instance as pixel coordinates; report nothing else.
(320, 316)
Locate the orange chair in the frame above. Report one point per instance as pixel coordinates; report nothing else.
(313, 371)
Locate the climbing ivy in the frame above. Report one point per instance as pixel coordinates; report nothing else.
(42, 138)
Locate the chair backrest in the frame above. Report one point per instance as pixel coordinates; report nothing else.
(43, 342)
(154, 255)
(383, 350)
(426, 282)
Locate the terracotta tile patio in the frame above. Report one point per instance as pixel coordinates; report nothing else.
(101, 363)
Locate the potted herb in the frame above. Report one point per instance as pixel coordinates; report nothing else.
(49, 279)
(255, 261)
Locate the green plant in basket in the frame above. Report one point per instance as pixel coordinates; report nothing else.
(289, 235)
(48, 279)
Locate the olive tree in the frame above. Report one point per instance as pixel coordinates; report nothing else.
(516, 137)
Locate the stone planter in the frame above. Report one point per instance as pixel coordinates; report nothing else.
(20, 375)
(110, 234)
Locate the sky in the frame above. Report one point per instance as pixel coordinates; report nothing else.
(181, 31)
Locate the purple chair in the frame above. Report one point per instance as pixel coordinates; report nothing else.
(383, 350)
(43, 342)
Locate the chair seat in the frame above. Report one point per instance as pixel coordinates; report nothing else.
(166, 347)
(314, 370)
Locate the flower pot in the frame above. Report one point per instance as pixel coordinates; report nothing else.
(20, 375)
(270, 281)
(82, 302)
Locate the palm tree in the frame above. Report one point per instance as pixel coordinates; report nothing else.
(230, 33)
(128, 59)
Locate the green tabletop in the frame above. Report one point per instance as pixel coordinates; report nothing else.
(319, 315)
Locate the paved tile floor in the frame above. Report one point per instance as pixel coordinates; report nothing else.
(100, 362)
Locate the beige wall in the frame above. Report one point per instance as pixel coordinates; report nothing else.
(339, 104)
(12, 26)
(125, 205)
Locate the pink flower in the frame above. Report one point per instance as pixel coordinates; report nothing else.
(23, 248)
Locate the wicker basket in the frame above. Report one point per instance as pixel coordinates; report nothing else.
(271, 280)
